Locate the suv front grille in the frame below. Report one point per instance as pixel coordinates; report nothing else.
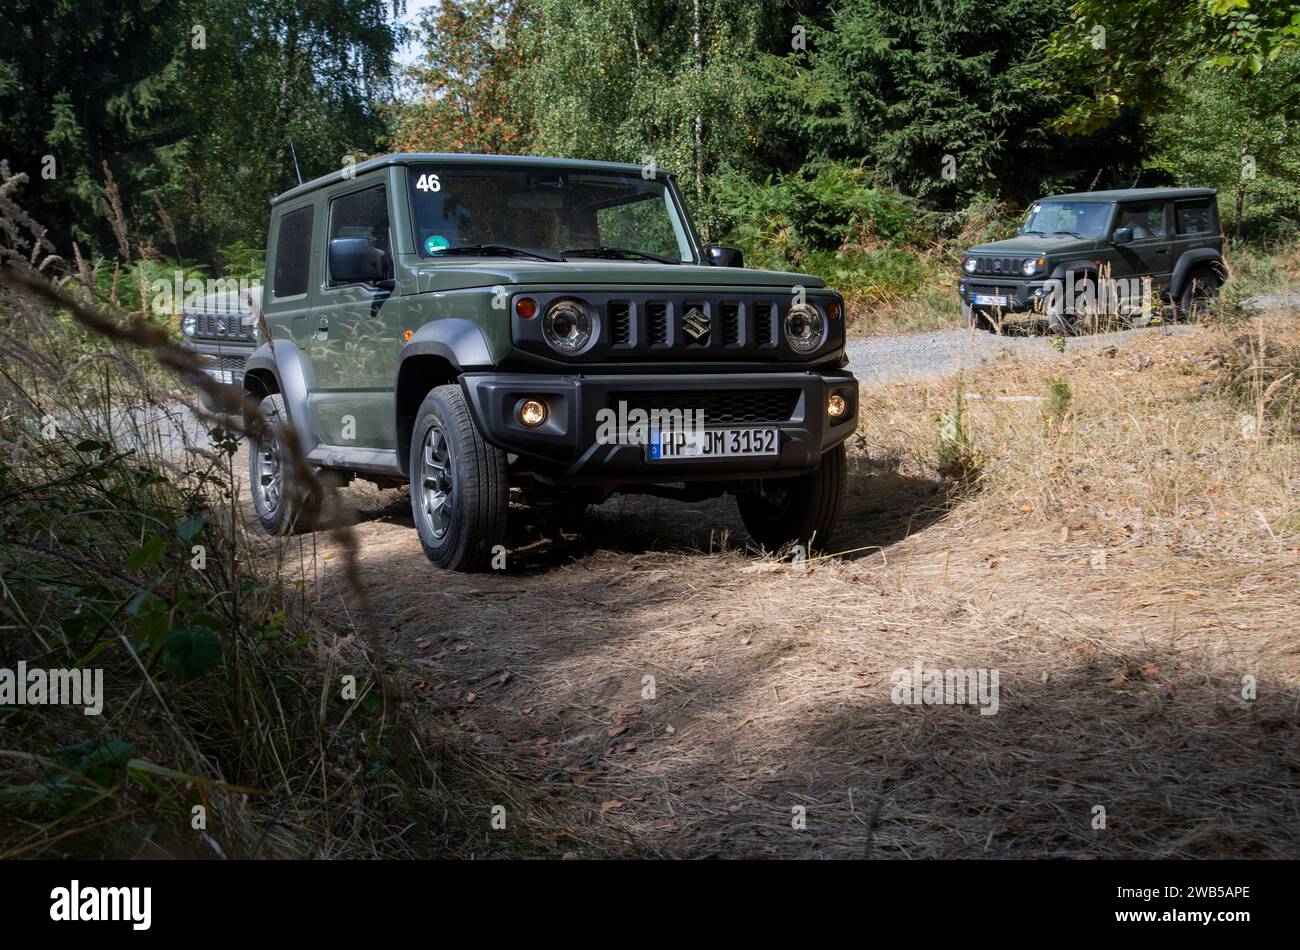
(763, 334)
(223, 326)
(1001, 266)
(657, 323)
(620, 324)
(721, 407)
(232, 363)
(654, 324)
(730, 323)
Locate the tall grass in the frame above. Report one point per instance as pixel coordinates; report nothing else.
(234, 722)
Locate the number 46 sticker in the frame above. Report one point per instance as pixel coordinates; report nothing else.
(428, 183)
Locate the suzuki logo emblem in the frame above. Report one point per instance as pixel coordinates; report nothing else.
(696, 325)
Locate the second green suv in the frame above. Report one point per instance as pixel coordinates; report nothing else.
(1082, 258)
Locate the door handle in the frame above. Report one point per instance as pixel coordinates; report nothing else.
(1162, 250)
(322, 329)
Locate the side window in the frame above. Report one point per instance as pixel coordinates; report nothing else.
(293, 253)
(1194, 217)
(1146, 220)
(361, 214)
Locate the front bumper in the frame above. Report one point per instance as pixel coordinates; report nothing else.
(565, 448)
(223, 363)
(1021, 295)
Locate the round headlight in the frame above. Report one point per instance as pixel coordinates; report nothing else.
(189, 324)
(804, 328)
(1031, 265)
(968, 265)
(567, 326)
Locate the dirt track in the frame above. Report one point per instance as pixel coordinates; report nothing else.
(771, 692)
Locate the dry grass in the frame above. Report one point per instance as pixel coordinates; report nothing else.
(1123, 564)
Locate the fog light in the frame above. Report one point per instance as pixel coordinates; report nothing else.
(836, 406)
(532, 413)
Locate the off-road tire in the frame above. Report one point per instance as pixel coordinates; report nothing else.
(971, 318)
(475, 497)
(1198, 295)
(283, 504)
(800, 510)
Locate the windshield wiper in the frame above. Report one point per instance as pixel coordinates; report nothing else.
(1071, 233)
(1030, 231)
(496, 249)
(616, 252)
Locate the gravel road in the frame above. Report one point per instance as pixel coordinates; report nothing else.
(888, 359)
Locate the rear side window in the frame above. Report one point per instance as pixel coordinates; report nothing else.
(1195, 217)
(361, 214)
(293, 253)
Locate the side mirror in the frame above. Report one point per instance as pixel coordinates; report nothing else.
(355, 260)
(720, 256)
(1122, 236)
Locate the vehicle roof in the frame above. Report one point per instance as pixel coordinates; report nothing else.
(445, 158)
(1133, 194)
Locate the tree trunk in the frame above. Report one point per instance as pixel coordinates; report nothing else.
(1241, 185)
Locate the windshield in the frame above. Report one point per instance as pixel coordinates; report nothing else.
(546, 212)
(1082, 218)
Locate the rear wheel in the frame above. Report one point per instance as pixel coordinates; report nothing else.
(1198, 297)
(459, 492)
(800, 510)
(284, 505)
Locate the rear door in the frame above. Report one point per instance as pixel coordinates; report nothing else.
(291, 251)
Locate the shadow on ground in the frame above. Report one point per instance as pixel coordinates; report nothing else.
(881, 507)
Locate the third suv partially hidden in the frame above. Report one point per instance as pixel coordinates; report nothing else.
(1122, 254)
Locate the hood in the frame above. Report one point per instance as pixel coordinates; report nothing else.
(1034, 245)
(487, 272)
(227, 301)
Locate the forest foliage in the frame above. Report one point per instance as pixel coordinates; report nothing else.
(851, 138)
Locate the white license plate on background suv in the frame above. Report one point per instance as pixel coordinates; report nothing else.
(991, 300)
(712, 443)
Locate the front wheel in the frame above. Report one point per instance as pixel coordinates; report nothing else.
(800, 510)
(459, 492)
(975, 319)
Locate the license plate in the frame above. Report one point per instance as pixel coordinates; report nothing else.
(712, 443)
(991, 300)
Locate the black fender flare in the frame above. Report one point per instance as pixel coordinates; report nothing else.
(458, 342)
(1193, 260)
(1088, 267)
(293, 377)
(1083, 267)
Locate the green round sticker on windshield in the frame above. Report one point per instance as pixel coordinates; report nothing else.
(436, 244)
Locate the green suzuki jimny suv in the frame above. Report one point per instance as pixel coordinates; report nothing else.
(1099, 256)
(475, 324)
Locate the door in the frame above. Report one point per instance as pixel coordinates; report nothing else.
(355, 333)
(287, 302)
(1148, 255)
